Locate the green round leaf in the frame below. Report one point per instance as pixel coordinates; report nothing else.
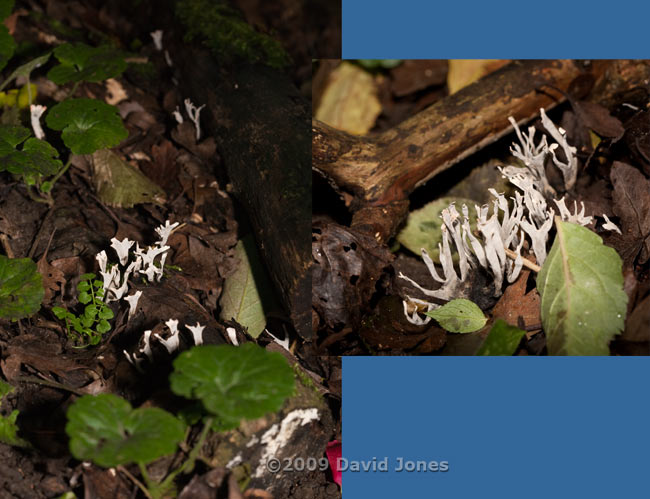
(87, 124)
(105, 429)
(106, 312)
(234, 383)
(59, 312)
(459, 316)
(21, 288)
(103, 326)
(36, 158)
(81, 62)
(11, 136)
(85, 297)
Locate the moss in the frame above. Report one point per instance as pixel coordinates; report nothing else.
(226, 33)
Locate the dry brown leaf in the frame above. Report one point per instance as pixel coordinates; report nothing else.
(516, 303)
(115, 92)
(349, 101)
(463, 72)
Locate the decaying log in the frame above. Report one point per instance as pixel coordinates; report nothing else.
(386, 168)
(261, 125)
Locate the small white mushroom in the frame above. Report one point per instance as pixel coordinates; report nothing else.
(194, 112)
(232, 335)
(609, 225)
(164, 231)
(197, 333)
(157, 38)
(122, 249)
(36, 112)
(133, 303)
(172, 343)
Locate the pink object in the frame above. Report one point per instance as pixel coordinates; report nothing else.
(333, 452)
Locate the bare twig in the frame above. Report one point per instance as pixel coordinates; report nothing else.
(526, 263)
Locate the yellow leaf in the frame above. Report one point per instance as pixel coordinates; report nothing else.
(462, 72)
(350, 101)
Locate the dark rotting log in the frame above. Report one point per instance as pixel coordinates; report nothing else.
(261, 125)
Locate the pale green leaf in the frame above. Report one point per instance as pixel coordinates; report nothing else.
(459, 316)
(583, 304)
(503, 339)
(246, 292)
(119, 184)
(423, 226)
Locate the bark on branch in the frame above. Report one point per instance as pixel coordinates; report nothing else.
(386, 168)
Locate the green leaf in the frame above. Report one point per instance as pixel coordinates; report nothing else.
(5, 388)
(87, 124)
(103, 326)
(6, 6)
(85, 297)
(234, 383)
(81, 62)
(105, 429)
(246, 292)
(423, 227)
(583, 305)
(37, 158)
(9, 431)
(459, 316)
(83, 286)
(119, 184)
(21, 288)
(7, 46)
(91, 310)
(59, 312)
(87, 277)
(503, 339)
(11, 136)
(106, 312)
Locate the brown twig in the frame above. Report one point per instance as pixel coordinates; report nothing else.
(527, 263)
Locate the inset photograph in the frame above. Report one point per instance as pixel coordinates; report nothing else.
(481, 207)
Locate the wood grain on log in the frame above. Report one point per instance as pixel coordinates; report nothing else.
(386, 168)
(261, 125)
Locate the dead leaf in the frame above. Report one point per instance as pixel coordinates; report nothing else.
(598, 119)
(347, 266)
(637, 326)
(115, 92)
(463, 72)
(185, 135)
(120, 184)
(412, 76)
(631, 203)
(516, 305)
(349, 101)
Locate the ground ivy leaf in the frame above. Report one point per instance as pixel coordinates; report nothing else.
(11, 136)
(234, 383)
(21, 288)
(81, 62)
(459, 316)
(87, 124)
(105, 429)
(36, 158)
(246, 292)
(583, 304)
(503, 339)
